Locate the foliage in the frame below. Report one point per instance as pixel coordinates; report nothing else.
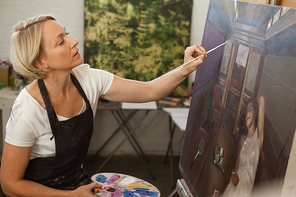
(137, 39)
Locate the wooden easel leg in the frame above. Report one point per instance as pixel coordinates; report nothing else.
(174, 193)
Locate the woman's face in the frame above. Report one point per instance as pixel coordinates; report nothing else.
(59, 51)
(250, 115)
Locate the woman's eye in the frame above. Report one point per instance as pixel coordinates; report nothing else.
(67, 33)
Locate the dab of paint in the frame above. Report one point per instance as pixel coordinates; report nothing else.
(98, 190)
(121, 178)
(139, 185)
(113, 179)
(101, 179)
(146, 192)
(117, 193)
(128, 180)
(127, 193)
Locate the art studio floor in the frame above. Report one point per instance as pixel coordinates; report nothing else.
(133, 166)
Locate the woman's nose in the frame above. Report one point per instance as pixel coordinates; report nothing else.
(74, 43)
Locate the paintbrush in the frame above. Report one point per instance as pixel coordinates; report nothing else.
(213, 49)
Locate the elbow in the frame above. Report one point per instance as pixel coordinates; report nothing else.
(4, 188)
(7, 186)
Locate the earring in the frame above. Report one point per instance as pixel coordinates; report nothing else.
(46, 66)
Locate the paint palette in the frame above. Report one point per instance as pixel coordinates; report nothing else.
(121, 185)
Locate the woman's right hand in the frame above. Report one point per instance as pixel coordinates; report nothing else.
(85, 190)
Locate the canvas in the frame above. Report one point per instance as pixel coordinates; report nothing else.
(231, 143)
(136, 39)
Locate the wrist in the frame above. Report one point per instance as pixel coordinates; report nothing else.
(185, 71)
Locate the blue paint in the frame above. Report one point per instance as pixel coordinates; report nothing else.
(146, 192)
(41, 123)
(127, 193)
(101, 178)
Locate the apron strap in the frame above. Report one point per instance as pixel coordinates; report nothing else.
(49, 108)
(51, 113)
(79, 88)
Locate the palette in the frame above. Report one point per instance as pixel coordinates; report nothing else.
(121, 185)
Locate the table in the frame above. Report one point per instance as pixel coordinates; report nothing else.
(177, 114)
(177, 117)
(117, 111)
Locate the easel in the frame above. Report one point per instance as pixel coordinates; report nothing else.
(182, 190)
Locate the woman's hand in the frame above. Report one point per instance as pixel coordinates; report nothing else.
(193, 52)
(85, 190)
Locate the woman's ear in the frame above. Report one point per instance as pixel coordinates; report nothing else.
(43, 63)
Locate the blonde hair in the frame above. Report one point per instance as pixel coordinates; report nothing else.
(25, 47)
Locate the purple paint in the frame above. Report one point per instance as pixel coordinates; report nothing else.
(117, 193)
(113, 179)
(15, 114)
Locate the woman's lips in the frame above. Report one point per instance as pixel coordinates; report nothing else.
(76, 53)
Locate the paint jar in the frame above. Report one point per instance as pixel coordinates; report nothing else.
(13, 77)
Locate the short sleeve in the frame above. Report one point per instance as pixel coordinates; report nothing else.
(94, 82)
(19, 131)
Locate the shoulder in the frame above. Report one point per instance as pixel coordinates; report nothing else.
(93, 79)
(23, 124)
(84, 70)
(33, 90)
(26, 107)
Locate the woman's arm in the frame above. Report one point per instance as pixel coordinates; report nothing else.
(125, 90)
(13, 166)
(261, 112)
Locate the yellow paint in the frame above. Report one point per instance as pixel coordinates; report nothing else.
(139, 185)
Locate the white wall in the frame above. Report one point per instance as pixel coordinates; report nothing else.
(153, 133)
(68, 12)
(198, 20)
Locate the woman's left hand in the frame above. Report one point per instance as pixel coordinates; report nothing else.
(86, 190)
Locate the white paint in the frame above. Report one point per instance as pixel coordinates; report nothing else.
(128, 180)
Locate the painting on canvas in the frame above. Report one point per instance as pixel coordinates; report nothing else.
(242, 115)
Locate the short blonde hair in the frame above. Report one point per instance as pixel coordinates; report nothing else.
(25, 47)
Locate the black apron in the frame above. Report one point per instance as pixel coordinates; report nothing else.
(72, 139)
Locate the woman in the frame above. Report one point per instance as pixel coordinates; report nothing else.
(51, 123)
(249, 147)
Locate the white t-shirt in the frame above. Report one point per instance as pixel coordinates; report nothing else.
(29, 125)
